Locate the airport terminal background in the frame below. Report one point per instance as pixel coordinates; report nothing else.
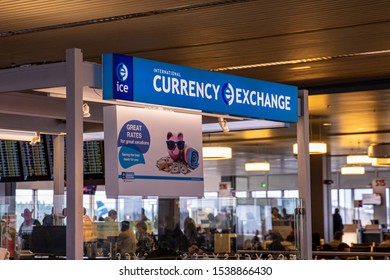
(337, 51)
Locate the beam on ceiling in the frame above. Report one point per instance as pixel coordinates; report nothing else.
(29, 77)
(32, 76)
(35, 105)
(43, 125)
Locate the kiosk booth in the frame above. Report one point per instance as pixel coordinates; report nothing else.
(151, 110)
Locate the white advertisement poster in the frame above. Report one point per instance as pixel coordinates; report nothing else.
(152, 152)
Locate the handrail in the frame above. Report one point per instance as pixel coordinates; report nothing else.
(384, 255)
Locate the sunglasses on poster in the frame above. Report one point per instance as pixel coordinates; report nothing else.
(172, 144)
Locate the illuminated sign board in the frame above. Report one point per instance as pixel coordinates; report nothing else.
(147, 81)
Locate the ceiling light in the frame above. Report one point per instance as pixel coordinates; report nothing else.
(297, 61)
(300, 68)
(243, 125)
(214, 153)
(352, 170)
(223, 124)
(385, 162)
(358, 159)
(86, 113)
(257, 166)
(381, 150)
(314, 148)
(16, 135)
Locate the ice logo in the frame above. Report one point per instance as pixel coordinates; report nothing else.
(121, 72)
(228, 94)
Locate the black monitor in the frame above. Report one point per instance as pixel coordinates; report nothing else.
(48, 240)
(375, 222)
(356, 222)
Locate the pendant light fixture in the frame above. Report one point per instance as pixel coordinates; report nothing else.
(257, 166)
(216, 153)
(358, 159)
(380, 162)
(381, 150)
(353, 170)
(315, 148)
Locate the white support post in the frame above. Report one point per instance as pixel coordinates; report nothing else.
(74, 154)
(304, 187)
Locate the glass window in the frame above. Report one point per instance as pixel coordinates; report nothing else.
(335, 199)
(23, 196)
(241, 194)
(275, 194)
(346, 205)
(291, 194)
(211, 194)
(259, 194)
(45, 203)
(365, 213)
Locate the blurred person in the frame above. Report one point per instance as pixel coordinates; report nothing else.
(343, 247)
(275, 213)
(89, 235)
(48, 220)
(143, 215)
(326, 248)
(212, 222)
(337, 239)
(285, 215)
(337, 221)
(112, 216)
(89, 229)
(26, 228)
(126, 239)
(190, 232)
(316, 241)
(191, 240)
(145, 243)
(386, 242)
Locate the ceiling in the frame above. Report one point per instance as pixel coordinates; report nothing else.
(338, 50)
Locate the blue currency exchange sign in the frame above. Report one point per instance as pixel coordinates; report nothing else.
(147, 81)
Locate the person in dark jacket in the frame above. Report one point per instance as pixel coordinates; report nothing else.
(337, 221)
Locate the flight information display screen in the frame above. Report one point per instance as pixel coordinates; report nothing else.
(21, 161)
(93, 159)
(49, 146)
(34, 161)
(10, 165)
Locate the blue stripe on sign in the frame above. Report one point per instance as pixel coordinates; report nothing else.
(143, 177)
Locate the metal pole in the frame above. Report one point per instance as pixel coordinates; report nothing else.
(58, 180)
(304, 176)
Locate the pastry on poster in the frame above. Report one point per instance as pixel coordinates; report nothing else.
(181, 158)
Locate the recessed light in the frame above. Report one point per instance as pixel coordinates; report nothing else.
(300, 68)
